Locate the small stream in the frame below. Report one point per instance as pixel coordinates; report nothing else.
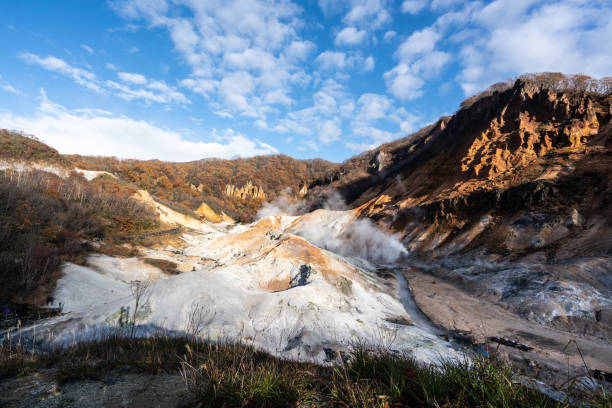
(419, 318)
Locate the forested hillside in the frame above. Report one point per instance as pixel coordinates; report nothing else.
(192, 183)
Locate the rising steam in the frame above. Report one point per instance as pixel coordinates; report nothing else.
(336, 229)
(284, 204)
(360, 238)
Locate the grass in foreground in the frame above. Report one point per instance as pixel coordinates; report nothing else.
(239, 376)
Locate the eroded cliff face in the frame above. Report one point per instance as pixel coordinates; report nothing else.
(527, 149)
(246, 192)
(533, 123)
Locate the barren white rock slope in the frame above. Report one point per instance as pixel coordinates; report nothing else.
(92, 174)
(262, 284)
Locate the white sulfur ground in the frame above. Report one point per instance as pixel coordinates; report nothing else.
(23, 167)
(92, 174)
(260, 284)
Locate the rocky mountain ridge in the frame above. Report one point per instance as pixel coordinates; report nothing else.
(509, 150)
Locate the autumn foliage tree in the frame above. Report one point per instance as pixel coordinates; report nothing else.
(45, 220)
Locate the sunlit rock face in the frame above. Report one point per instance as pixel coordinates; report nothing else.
(274, 284)
(245, 192)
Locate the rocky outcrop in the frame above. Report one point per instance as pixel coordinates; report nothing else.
(198, 188)
(246, 192)
(303, 190)
(380, 162)
(531, 124)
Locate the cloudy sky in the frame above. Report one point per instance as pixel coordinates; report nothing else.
(186, 79)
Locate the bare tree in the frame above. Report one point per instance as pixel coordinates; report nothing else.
(141, 291)
(198, 317)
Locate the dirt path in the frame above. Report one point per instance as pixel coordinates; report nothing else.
(115, 389)
(453, 308)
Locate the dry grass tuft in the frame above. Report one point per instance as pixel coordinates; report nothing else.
(235, 375)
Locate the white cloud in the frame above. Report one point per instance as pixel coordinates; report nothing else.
(251, 59)
(378, 136)
(300, 49)
(330, 130)
(219, 39)
(150, 9)
(277, 97)
(10, 88)
(81, 132)
(183, 35)
(155, 91)
(329, 98)
(87, 48)
(371, 110)
(330, 7)
(132, 78)
(368, 64)
(338, 61)
(110, 66)
(170, 93)
(5, 86)
(419, 42)
(504, 38)
(236, 92)
(372, 106)
(501, 39)
(361, 19)
(262, 124)
(312, 145)
(331, 60)
(418, 60)
(368, 13)
(430, 64)
(407, 121)
(389, 35)
(403, 84)
(248, 60)
(350, 36)
(360, 147)
(150, 91)
(80, 76)
(445, 4)
(333, 107)
(413, 6)
(375, 107)
(330, 102)
(533, 36)
(202, 86)
(223, 114)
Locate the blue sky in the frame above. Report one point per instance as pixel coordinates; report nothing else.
(186, 79)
